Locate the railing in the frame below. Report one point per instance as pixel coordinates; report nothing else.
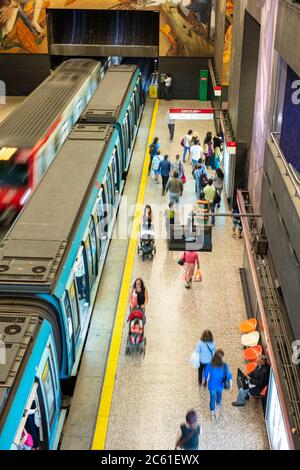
(289, 171)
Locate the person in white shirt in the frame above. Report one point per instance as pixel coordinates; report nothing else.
(168, 85)
(196, 153)
(171, 127)
(155, 165)
(186, 143)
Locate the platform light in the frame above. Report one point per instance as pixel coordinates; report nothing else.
(7, 152)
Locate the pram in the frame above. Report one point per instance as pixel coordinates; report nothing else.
(136, 341)
(147, 247)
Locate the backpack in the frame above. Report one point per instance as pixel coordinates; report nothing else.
(152, 148)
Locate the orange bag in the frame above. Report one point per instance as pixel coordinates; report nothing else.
(198, 277)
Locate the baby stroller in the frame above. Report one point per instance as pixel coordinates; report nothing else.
(147, 247)
(136, 341)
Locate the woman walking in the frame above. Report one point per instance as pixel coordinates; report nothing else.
(189, 433)
(218, 376)
(190, 261)
(218, 181)
(208, 148)
(206, 349)
(216, 159)
(138, 296)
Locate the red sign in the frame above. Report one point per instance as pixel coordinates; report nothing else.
(191, 114)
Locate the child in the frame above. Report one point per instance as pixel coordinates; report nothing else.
(136, 331)
(170, 218)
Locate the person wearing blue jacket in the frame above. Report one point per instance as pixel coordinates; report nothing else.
(218, 376)
(206, 349)
(165, 170)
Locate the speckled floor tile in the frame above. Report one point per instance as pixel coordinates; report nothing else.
(153, 393)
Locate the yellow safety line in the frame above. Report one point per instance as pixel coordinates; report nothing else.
(112, 363)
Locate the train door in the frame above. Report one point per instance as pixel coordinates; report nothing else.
(77, 110)
(125, 141)
(40, 416)
(80, 295)
(102, 216)
(116, 170)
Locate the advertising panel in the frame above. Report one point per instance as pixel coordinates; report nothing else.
(275, 424)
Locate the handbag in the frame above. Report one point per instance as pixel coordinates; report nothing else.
(226, 382)
(182, 143)
(195, 360)
(183, 179)
(198, 276)
(181, 262)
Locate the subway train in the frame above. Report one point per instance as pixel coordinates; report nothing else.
(52, 258)
(31, 136)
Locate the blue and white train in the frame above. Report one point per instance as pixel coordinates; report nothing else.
(52, 258)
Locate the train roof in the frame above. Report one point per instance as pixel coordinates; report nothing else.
(106, 104)
(16, 331)
(33, 119)
(32, 250)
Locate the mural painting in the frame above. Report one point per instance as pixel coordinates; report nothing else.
(185, 25)
(228, 42)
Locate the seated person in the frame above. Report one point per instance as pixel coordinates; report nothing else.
(136, 331)
(255, 383)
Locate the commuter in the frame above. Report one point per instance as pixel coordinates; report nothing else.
(175, 187)
(33, 424)
(210, 196)
(190, 261)
(218, 180)
(208, 148)
(179, 167)
(171, 127)
(216, 159)
(189, 433)
(168, 87)
(170, 215)
(255, 382)
(26, 442)
(155, 166)
(218, 140)
(206, 349)
(236, 221)
(196, 153)
(147, 219)
(80, 276)
(218, 376)
(165, 169)
(201, 178)
(195, 137)
(153, 150)
(138, 296)
(186, 143)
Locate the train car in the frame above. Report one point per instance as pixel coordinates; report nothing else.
(32, 135)
(29, 379)
(51, 262)
(110, 105)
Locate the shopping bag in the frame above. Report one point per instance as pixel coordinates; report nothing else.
(198, 277)
(195, 360)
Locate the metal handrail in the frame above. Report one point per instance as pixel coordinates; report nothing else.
(286, 165)
(294, 174)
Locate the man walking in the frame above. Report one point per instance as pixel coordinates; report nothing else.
(171, 126)
(168, 85)
(175, 187)
(165, 169)
(210, 196)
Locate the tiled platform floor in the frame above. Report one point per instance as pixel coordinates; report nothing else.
(152, 394)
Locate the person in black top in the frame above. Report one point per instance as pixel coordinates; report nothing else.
(218, 140)
(190, 433)
(255, 382)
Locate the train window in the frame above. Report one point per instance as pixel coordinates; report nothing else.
(111, 179)
(77, 110)
(48, 385)
(125, 144)
(81, 284)
(109, 191)
(129, 129)
(93, 240)
(64, 131)
(73, 299)
(68, 311)
(116, 170)
(13, 174)
(89, 260)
